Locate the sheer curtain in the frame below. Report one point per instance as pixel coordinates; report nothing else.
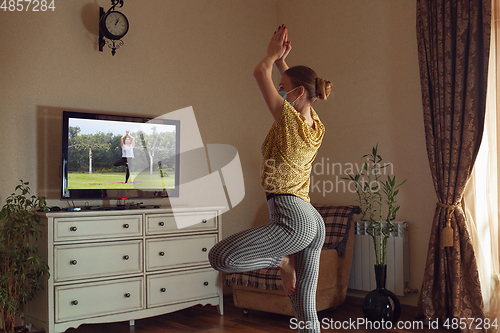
(481, 195)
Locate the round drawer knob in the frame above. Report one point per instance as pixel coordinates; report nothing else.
(73, 228)
(161, 254)
(126, 226)
(204, 249)
(163, 290)
(127, 295)
(75, 302)
(204, 221)
(73, 262)
(126, 257)
(161, 224)
(205, 283)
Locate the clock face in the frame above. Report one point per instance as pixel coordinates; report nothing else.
(116, 24)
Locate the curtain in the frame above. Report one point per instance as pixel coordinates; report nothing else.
(481, 193)
(453, 44)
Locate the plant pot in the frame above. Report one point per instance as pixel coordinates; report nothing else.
(381, 304)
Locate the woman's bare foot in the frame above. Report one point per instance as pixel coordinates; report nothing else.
(288, 275)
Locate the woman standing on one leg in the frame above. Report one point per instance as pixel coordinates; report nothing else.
(127, 153)
(293, 239)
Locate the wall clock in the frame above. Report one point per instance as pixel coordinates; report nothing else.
(113, 25)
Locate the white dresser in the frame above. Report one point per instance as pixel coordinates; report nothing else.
(122, 265)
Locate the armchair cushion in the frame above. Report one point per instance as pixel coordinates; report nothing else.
(337, 223)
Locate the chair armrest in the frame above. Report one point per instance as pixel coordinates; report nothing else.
(335, 271)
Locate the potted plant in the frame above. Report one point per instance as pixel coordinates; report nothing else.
(20, 265)
(376, 195)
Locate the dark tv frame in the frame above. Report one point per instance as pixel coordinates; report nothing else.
(105, 194)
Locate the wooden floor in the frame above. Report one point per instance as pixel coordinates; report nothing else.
(206, 319)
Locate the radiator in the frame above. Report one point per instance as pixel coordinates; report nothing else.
(398, 269)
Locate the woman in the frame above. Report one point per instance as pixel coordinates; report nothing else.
(293, 239)
(127, 153)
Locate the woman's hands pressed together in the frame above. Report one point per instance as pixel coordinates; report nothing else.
(279, 46)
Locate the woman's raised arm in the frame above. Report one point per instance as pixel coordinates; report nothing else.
(263, 71)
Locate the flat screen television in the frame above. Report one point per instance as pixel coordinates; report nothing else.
(116, 157)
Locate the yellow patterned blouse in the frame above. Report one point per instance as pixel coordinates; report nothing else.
(288, 152)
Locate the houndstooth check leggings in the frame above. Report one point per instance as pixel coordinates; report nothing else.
(295, 227)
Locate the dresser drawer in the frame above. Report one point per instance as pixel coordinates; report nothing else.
(94, 227)
(98, 299)
(161, 223)
(96, 260)
(178, 251)
(181, 287)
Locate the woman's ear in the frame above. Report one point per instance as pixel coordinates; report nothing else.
(301, 91)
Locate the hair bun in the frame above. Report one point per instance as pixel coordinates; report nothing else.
(323, 88)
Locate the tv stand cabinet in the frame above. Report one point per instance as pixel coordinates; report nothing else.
(109, 266)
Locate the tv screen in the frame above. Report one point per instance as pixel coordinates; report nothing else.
(115, 157)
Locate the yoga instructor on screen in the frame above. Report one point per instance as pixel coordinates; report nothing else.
(293, 238)
(127, 153)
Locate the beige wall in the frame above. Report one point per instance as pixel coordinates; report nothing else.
(201, 53)
(177, 54)
(368, 50)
